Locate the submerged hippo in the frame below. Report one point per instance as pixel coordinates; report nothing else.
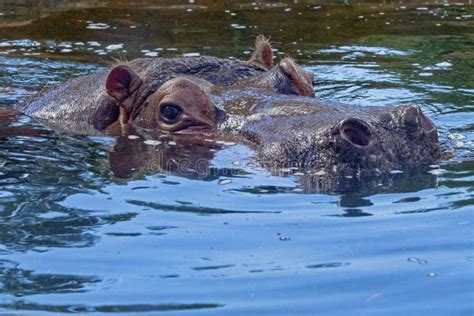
(271, 108)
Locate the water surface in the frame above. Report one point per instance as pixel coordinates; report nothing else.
(82, 233)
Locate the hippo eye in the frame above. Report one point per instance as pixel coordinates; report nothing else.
(170, 112)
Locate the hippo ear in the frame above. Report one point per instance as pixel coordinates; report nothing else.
(122, 82)
(107, 113)
(294, 80)
(262, 54)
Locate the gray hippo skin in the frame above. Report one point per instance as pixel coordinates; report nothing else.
(271, 108)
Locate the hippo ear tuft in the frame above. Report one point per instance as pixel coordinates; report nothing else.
(262, 54)
(121, 82)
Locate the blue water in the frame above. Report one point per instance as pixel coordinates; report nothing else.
(76, 238)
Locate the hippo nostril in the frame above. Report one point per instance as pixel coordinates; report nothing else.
(356, 131)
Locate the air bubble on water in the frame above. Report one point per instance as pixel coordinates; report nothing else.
(98, 26)
(191, 55)
(237, 26)
(152, 142)
(425, 74)
(224, 181)
(437, 172)
(114, 46)
(444, 64)
(94, 43)
(413, 259)
(151, 54)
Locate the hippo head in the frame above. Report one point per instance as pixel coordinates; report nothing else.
(345, 140)
(184, 101)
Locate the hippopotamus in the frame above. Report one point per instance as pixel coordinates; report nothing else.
(271, 108)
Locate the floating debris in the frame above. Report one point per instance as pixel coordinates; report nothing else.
(425, 74)
(133, 137)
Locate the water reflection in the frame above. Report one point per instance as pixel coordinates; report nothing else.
(18, 282)
(190, 157)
